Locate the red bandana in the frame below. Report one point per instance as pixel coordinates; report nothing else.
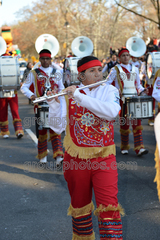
(45, 55)
(124, 50)
(92, 63)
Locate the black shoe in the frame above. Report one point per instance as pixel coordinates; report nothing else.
(142, 151)
(20, 135)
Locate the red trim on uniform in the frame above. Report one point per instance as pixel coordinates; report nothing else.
(89, 64)
(45, 55)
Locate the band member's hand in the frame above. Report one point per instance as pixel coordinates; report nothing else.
(33, 97)
(143, 77)
(51, 93)
(70, 91)
(144, 92)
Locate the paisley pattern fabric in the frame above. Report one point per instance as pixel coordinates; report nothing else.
(88, 130)
(40, 83)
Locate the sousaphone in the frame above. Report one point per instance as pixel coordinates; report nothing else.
(136, 46)
(46, 41)
(81, 46)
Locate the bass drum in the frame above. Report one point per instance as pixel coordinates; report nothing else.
(153, 64)
(9, 73)
(70, 76)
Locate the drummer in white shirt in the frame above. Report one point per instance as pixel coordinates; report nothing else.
(136, 62)
(128, 88)
(47, 70)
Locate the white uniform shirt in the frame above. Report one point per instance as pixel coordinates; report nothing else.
(30, 79)
(137, 64)
(156, 90)
(143, 71)
(106, 67)
(157, 130)
(103, 101)
(113, 77)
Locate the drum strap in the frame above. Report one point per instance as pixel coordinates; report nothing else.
(39, 72)
(118, 78)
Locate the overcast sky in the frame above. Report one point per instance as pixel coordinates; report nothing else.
(9, 7)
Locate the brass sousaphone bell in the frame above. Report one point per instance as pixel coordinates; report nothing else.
(46, 41)
(81, 46)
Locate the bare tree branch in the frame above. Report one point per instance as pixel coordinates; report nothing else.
(140, 15)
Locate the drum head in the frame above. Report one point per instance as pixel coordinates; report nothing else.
(10, 73)
(138, 99)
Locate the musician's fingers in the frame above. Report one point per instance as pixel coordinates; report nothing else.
(33, 97)
(49, 93)
(70, 95)
(57, 99)
(70, 91)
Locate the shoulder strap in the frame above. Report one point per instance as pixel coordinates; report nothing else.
(133, 68)
(118, 78)
(37, 71)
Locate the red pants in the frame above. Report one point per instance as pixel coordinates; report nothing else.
(13, 103)
(124, 131)
(55, 141)
(101, 175)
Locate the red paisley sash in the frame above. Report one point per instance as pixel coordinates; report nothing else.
(87, 135)
(40, 83)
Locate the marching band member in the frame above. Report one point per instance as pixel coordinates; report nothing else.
(111, 63)
(126, 78)
(17, 122)
(89, 144)
(39, 86)
(156, 88)
(143, 73)
(157, 153)
(137, 63)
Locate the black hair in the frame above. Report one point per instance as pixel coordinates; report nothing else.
(85, 60)
(44, 51)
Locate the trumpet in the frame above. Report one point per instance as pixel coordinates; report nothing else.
(62, 93)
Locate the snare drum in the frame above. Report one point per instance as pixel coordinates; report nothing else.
(9, 73)
(43, 112)
(139, 107)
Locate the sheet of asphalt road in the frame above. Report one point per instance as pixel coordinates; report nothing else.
(34, 201)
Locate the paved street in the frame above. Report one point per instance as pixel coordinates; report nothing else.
(34, 201)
